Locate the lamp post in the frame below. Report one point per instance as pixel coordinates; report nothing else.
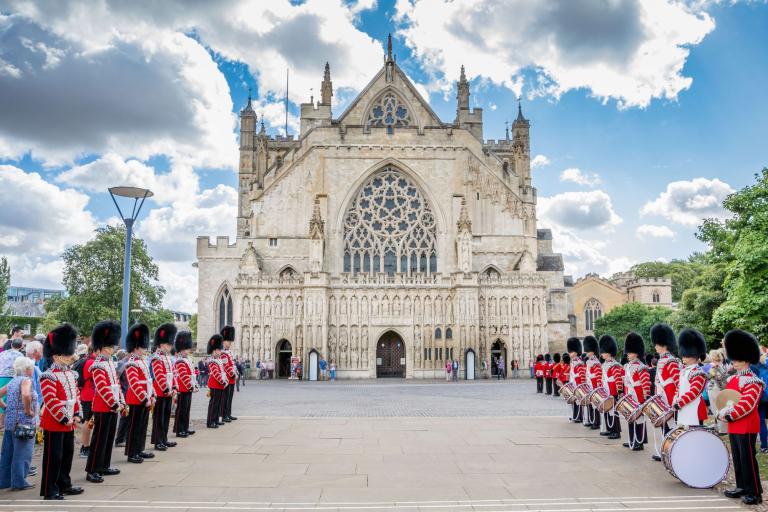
(139, 195)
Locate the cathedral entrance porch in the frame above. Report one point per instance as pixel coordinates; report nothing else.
(498, 350)
(390, 356)
(284, 353)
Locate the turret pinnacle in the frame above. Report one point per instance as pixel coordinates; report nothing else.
(326, 87)
(520, 118)
(390, 59)
(248, 109)
(462, 94)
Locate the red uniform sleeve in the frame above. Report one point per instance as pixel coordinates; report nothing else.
(581, 374)
(135, 382)
(672, 370)
(565, 371)
(642, 385)
(697, 388)
(750, 394)
(101, 386)
(596, 376)
(161, 376)
(215, 372)
(54, 405)
(184, 375)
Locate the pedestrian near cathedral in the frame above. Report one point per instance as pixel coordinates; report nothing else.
(613, 383)
(228, 336)
(217, 381)
(187, 383)
(742, 417)
(165, 385)
(141, 393)
(61, 411)
(108, 401)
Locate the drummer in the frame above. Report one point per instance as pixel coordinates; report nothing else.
(742, 417)
(577, 373)
(613, 383)
(594, 379)
(637, 383)
(689, 402)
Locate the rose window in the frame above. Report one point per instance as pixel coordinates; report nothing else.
(389, 227)
(389, 112)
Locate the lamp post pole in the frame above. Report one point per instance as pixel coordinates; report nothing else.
(139, 195)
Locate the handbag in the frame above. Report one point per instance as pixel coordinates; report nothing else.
(24, 432)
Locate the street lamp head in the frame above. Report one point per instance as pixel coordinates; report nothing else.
(132, 192)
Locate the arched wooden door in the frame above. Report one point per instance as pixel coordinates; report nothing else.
(499, 353)
(390, 356)
(284, 353)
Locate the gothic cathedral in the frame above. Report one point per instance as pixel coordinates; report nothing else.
(385, 240)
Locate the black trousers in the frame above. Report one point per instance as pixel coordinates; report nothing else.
(745, 463)
(576, 414)
(555, 387)
(161, 419)
(549, 386)
(230, 394)
(612, 422)
(138, 422)
(183, 405)
(539, 384)
(637, 434)
(58, 448)
(102, 441)
(214, 406)
(594, 416)
(122, 429)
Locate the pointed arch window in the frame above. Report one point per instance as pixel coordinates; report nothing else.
(389, 227)
(438, 334)
(592, 311)
(448, 334)
(226, 309)
(656, 297)
(389, 112)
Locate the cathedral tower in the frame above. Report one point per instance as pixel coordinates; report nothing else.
(248, 120)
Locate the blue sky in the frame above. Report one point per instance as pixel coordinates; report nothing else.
(644, 115)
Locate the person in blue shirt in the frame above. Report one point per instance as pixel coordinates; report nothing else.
(323, 368)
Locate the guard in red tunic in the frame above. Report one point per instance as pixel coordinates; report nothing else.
(61, 410)
(217, 380)
(108, 401)
(637, 382)
(577, 373)
(613, 383)
(743, 418)
(228, 336)
(538, 371)
(557, 370)
(141, 394)
(689, 402)
(187, 383)
(548, 364)
(165, 385)
(594, 379)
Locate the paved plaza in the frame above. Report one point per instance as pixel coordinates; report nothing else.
(481, 446)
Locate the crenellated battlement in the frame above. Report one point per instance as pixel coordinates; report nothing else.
(220, 248)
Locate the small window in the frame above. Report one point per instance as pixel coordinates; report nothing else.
(451, 352)
(656, 298)
(592, 311)
(438, 334)
(426, 354)
(429, 354)
(478, 195)
(273, 242)
(448, 334)
(439, 353)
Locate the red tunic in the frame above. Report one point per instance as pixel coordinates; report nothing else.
(548, 369)
(162, 370)
(595, 372)
(61, 401)
(229, 366)
(217, 378)
(637, 380)
(744, 416)
(579, 370)
(185, 373)
(697, 381)
(556, 371)
(86, 394)
(614, 378)
(140, 388)
(565, 371)
(108, 396)
(668, 376)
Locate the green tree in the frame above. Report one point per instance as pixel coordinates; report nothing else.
(629, 317)
(5, 282)
(699, 303)
(93, 277)
(740, 245)
(193, 326)
(681, 272)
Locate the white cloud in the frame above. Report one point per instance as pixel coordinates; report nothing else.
(654, 231)
(631, 51)
(539, 161)
(688, 202)
(579, 210)
(575, 175)
(583, 255)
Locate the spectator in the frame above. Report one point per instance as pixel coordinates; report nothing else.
(34, 351)
(202, 373)
(501, 368)
(122, 425)
(16, 334)
(761, 370)
(323, 369)
(718, 377)
(530, 367)
(448, 370)
(22, 409)
(333, 369)
(7, 357)
(240, 372)
(455, 370)
(513, 368)
(485, 368)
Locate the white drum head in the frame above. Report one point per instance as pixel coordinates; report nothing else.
(699, 459)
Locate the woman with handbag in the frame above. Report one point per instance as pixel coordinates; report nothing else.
(21, 420)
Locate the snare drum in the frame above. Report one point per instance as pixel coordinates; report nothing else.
(629, 408)
(657, 411)
(695, 456)
(567, 392)
(582, 393)
(601, 400)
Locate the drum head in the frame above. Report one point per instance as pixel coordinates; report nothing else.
(699, 459)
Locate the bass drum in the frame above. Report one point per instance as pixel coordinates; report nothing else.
(695, 456)
(567, 392)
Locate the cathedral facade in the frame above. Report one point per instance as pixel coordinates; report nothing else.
(384, 240)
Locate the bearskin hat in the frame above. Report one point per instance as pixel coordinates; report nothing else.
(556, 357)
(662, 334)
(539, 358)
(742, 346)
(634, 344)
(61, 341)
(547, 357)
(608, 345)
(573, 345)
(228, 333)
(215, 343)
(183, 341)
(164, 334)
(590, 344)
(691, 343)
(566, 359)
(138, 337)
(105, 334)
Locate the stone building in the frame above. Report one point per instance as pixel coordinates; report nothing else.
(593, 296)
(384, 239)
